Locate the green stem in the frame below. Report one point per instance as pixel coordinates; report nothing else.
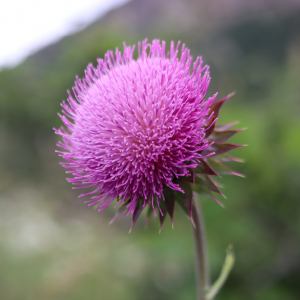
(201, 263)
(227, 267)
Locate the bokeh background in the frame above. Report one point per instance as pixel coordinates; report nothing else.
(52, 246)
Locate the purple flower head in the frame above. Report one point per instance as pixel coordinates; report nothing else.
(141, 131)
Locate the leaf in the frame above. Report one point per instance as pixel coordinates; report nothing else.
(226, 158)
(137, 211)
(221, 127)
(190, 178)
(205, 168)
(222, 169)
(119, 211)
(217, 105)
(221, 136)
(162, 214)
(148, 215)
(185, 200)
(179, 200)
(187, 197)
(205, 181)
(220, 148)
(170, 202)
(206, 192)
(210, 126)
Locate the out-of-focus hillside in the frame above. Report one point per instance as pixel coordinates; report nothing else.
(54, 247)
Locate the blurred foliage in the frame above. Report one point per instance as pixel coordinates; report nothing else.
(54, 247)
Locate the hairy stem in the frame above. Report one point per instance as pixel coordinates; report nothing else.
(201, 263)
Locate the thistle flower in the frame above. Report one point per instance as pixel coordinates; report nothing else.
(141, 131)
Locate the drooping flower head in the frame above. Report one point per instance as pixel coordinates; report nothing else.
(141, 131)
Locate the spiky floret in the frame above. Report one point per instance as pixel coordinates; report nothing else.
(141, 131)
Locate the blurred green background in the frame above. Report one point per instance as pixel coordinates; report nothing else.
(52, 246)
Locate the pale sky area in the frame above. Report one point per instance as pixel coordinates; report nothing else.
(28, 25)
